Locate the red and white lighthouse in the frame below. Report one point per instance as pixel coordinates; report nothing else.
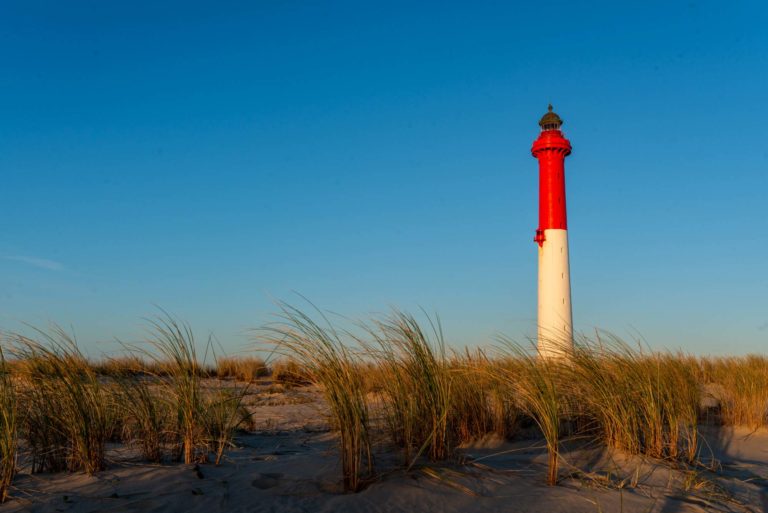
(555, 322)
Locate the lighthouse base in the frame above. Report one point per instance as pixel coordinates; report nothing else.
(555, 322)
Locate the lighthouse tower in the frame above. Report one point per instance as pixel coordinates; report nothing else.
(555, 333)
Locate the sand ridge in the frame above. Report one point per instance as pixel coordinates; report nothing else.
(289, 464)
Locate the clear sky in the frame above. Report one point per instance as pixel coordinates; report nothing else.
(212, 157)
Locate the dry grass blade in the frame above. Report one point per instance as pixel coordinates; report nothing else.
(224, 414)
(244, 368)
(175, 351)
(538, 387)
(69, 413)
(417, 385)
(741, 386)
(145, 416)
(642, 403)
(336, 369)
(8, 429)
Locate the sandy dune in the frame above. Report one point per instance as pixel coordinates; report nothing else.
(289, 464)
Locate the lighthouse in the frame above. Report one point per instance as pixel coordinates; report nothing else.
(555, 323)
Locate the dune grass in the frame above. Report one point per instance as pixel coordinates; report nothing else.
(416, 385)
(145, 416)
(69, 413)
(605, 391)
(223, 414)
(333, 365)
(241, 368)
(122, 366)
(172, 347)
(289, 372)
(172, 405)
(8, 428)
(434, 401)
(539, 386)
(630, 400)
(482, 402)
(396, 376)
(741, 385)
(640, 403)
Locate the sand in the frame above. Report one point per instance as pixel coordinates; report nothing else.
(289, 464)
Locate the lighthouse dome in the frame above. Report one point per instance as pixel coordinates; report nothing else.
(550, 120)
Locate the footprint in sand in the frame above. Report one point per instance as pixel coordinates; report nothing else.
(267, 480)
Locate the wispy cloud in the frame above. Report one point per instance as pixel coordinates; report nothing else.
(42, 263)
(763, 326)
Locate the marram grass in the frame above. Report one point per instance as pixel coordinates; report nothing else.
(640, 403)
(540, 388)
(172, 347)
(416, 385)
(69, 412)
(8, 429)
(336, 367)
(741, 387)
(145, 416)
(395, 380)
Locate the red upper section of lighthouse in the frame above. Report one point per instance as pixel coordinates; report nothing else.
(550, 149)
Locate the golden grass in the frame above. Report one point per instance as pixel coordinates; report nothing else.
(289, 372)
(741, 385)
(146, 417)
(64, 408)
(640, 403)
(481, 402)
(335, 366)
(223, 414)
(172, 347)
(540, 386)
(416, 385)
(128, 365)
(635, 401)
(243, 368)
(69, 413)
(8, 428)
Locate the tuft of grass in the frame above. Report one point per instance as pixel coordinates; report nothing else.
(69, 413)
(244, 368)
(173, 349)
(8, 429)
(224, 413)
(319, 350)
(538, 385)
(289, 372)
(123, 366)
(63, 408)
(640, 403)
(481, 403)
(418, 392)
(417, 385)
(743, 388)
(145, 416)
(433, 403)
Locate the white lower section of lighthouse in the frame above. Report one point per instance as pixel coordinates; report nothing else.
(555, 333)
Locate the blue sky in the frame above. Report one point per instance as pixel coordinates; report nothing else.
(212, 157)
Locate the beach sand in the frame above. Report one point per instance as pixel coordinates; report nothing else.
(288, 463)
